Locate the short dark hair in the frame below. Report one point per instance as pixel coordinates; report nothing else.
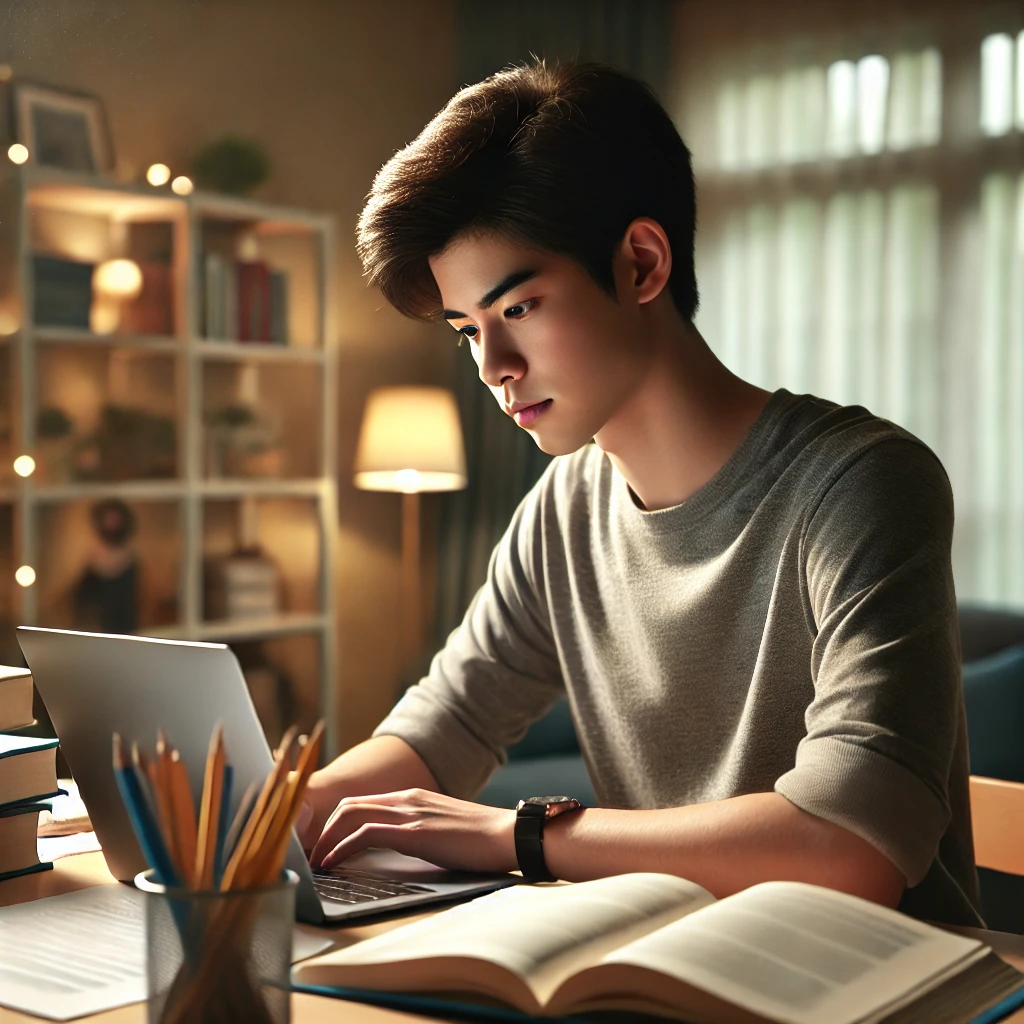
(558, 158)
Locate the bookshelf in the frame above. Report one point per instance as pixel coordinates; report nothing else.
(214, 443)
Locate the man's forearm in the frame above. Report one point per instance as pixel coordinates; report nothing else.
(724, 846)
(381, 764)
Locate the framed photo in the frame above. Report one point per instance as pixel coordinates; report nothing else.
(62, 129)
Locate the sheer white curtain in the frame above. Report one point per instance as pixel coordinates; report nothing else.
(861, 237)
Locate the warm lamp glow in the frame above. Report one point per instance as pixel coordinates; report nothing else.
(25, 576)
(120, 279)
(24, 465)
(181, 185)
(158, 174)
(410, 441)
(8, 322)
(17, 153)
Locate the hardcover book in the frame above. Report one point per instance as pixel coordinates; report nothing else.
(28, 769)
(18, 843)
(15, 697)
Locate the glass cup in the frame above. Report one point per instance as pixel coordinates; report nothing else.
(219, 956)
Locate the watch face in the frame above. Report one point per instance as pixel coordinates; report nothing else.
(549, 800)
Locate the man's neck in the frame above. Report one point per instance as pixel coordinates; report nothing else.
(681, 424)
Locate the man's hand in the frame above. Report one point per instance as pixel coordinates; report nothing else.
(452, 833)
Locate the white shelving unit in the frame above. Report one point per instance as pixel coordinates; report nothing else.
(35, 203)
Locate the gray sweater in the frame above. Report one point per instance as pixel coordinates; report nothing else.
(791, 626)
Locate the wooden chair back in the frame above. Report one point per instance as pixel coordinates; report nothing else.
(997, 817)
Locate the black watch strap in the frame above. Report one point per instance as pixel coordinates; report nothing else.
(529, 836)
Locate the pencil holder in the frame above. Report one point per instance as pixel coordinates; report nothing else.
(218, 956)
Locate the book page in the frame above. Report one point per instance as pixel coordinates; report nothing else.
(801, 953)
(540, 935)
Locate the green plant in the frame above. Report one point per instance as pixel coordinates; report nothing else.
(231, 165)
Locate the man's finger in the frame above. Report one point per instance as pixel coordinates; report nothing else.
(388, 837)
(347, 818)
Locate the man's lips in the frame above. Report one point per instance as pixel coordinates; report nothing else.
(526, 415)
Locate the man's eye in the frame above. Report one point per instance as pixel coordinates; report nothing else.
(523, 307)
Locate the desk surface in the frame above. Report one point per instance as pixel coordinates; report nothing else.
(84, 870)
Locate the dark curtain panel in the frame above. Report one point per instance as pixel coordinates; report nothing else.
(502, 460)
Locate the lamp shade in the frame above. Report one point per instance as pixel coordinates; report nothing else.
(410, 441)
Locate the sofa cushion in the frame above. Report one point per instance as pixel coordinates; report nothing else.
(541, 776)
(994, 698)
(549, 736)
(988, 629)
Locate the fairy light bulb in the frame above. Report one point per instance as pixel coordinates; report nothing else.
(182, 185)
(17, 153)
(24, 465)
(158, 174)
(25, 576)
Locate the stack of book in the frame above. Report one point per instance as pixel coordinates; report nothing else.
(244, 300)
(28, 777)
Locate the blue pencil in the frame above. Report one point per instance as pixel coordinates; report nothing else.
(146, 829)
(222, 827)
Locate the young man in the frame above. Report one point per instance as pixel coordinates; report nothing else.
(746, 595)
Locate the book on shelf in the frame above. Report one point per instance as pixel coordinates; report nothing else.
(62, 291)
(244, 300)
(15, 698)
(278, 307)
(253, 301)
(18, 842)
(28, 769)
(657, 944)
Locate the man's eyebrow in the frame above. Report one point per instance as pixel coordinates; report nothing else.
(505, 285)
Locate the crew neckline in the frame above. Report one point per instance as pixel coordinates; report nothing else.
(676, 517)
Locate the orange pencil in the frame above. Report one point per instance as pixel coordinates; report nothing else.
(270, 787)
(183, 813)
(209, 811)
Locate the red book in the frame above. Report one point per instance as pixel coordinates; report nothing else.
(253, 301)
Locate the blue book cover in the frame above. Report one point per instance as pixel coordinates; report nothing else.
(12, 745)
(9, 811)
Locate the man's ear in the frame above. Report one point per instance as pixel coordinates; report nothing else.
(646, 256)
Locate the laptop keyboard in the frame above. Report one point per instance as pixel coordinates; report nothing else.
(347, 886)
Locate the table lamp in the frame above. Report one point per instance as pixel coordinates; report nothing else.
(410, 441)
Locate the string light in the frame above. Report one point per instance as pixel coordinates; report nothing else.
(24, 465)
(17, 153)
(25, 576)
(182, 185)
(158, 174)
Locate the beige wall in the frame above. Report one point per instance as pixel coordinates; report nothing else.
(331, 88)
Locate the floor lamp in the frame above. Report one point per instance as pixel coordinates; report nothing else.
(410, 441)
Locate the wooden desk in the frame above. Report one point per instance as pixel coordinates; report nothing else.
(71, 873)
(87, 869)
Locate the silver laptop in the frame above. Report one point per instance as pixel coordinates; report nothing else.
(94, 685)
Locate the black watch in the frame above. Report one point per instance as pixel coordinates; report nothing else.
(531, 814)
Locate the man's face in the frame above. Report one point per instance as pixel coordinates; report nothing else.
(548, 335)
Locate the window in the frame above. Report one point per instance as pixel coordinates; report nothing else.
(856, 244)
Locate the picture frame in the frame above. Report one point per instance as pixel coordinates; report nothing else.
(62, 129)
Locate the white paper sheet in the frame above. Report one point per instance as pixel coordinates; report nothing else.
(84, 952)
(55, 847)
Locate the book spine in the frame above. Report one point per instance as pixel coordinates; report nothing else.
(279, 307)
(231, 301)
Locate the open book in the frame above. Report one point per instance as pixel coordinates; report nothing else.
(658, 944)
